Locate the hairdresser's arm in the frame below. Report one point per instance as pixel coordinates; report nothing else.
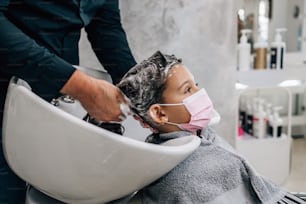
(21, 56)
(109, 40)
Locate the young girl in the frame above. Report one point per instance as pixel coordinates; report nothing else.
(165, 97)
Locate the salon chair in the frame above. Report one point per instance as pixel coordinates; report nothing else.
(67, 160)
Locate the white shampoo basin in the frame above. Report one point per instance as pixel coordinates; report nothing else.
(74, 161)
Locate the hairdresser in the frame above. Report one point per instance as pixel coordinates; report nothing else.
(39, 44)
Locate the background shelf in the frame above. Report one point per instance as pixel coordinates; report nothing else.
(269, 77)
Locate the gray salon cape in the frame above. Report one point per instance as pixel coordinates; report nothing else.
(213, 174)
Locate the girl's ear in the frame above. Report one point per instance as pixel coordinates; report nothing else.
(157, 114)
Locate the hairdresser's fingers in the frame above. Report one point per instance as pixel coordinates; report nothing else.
(104, 103)
(116, 108)
(100, 98)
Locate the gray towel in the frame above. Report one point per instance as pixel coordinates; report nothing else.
(214, 173)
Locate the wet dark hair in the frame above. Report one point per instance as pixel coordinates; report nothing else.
(145, 83)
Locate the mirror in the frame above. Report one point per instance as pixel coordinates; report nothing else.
(264, 16)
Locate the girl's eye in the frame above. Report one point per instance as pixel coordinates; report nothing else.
(188, 90)
(197, 84)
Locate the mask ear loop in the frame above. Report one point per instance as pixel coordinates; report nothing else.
(170, 104)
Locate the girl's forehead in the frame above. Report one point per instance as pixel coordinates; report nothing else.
(179, 72)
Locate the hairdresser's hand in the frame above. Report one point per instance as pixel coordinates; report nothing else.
(100, 98)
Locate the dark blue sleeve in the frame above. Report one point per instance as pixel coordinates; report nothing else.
(21, 56)
(109, 40)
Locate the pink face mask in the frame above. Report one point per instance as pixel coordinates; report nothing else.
(200, 108)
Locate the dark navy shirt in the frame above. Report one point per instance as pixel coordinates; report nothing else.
(39, 41)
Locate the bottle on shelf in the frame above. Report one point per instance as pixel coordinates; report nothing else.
(249, 119)
(240, 130)
(268, 109)
(252, 107)
(244, 51)
(277, 50)
(243, 112)
(277, 122)
(260, 120)
(260, 53)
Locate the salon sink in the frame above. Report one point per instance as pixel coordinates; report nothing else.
(74, 161)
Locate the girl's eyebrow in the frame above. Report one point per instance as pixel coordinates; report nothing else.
(183, 83)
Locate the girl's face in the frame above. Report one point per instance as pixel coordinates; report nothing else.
(180, 85)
